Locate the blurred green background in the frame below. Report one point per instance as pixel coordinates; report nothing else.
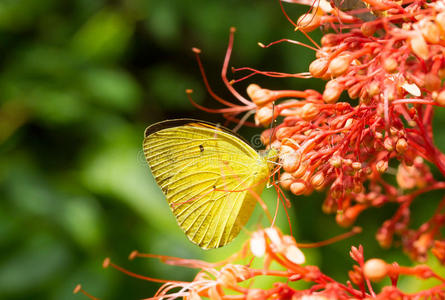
(79, 82)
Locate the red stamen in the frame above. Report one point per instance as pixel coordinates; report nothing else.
(352, 232)
(206, 82)
(224, 70)
(79, 288)
(107, 263)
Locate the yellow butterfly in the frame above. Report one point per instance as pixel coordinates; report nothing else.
(208, 175)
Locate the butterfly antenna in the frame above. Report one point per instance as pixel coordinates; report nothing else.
(272, 127)
(272, 132)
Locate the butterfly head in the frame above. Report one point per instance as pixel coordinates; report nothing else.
(270, 156)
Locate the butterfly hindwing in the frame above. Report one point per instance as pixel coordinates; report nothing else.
(206, 173)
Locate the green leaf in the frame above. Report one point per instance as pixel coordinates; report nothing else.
(41, 260)
(113, 88)
(167, 87)
(104, 36)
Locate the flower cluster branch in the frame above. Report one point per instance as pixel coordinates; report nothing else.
(367, 139)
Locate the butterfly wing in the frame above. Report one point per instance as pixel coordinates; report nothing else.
(206, 173)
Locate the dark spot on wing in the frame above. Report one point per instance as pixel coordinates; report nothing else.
(214, 187)
(201, 148)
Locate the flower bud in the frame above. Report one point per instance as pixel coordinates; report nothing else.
(384, 238)
(418, 161)
(419, 46)
(393, 130)
(266, 135)
(294, 254)
(309, 22)
(347, 162)
(432, 82)
(286, 180)
(291, 161)
(330, 39)
(308, 112)
(301, 169)
(251, 89)
(348, 123)
(262, 96)
(350, 215)
(356, 276)
(388, 144)
(401, 145)
(318, 67)
(264, 116)
(258, 244)
(340, 64)
(329, 206)
(373, 89)
(430, 32)
(275, 237)
(368, 28)
(298, 188)
(354, 91)
(375, 269)
(284, 150)
(284, 132)
(440, 99)
(356, 165)
(332, 91)
(336, 191)
(342, 220)
(381, 166)
(318, 181)
(335, 161)
(357, 188)
(390, 64)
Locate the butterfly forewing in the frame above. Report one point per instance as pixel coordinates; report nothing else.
(206, 174)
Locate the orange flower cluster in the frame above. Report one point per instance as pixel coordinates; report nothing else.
(388, 55)
(233, 278)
